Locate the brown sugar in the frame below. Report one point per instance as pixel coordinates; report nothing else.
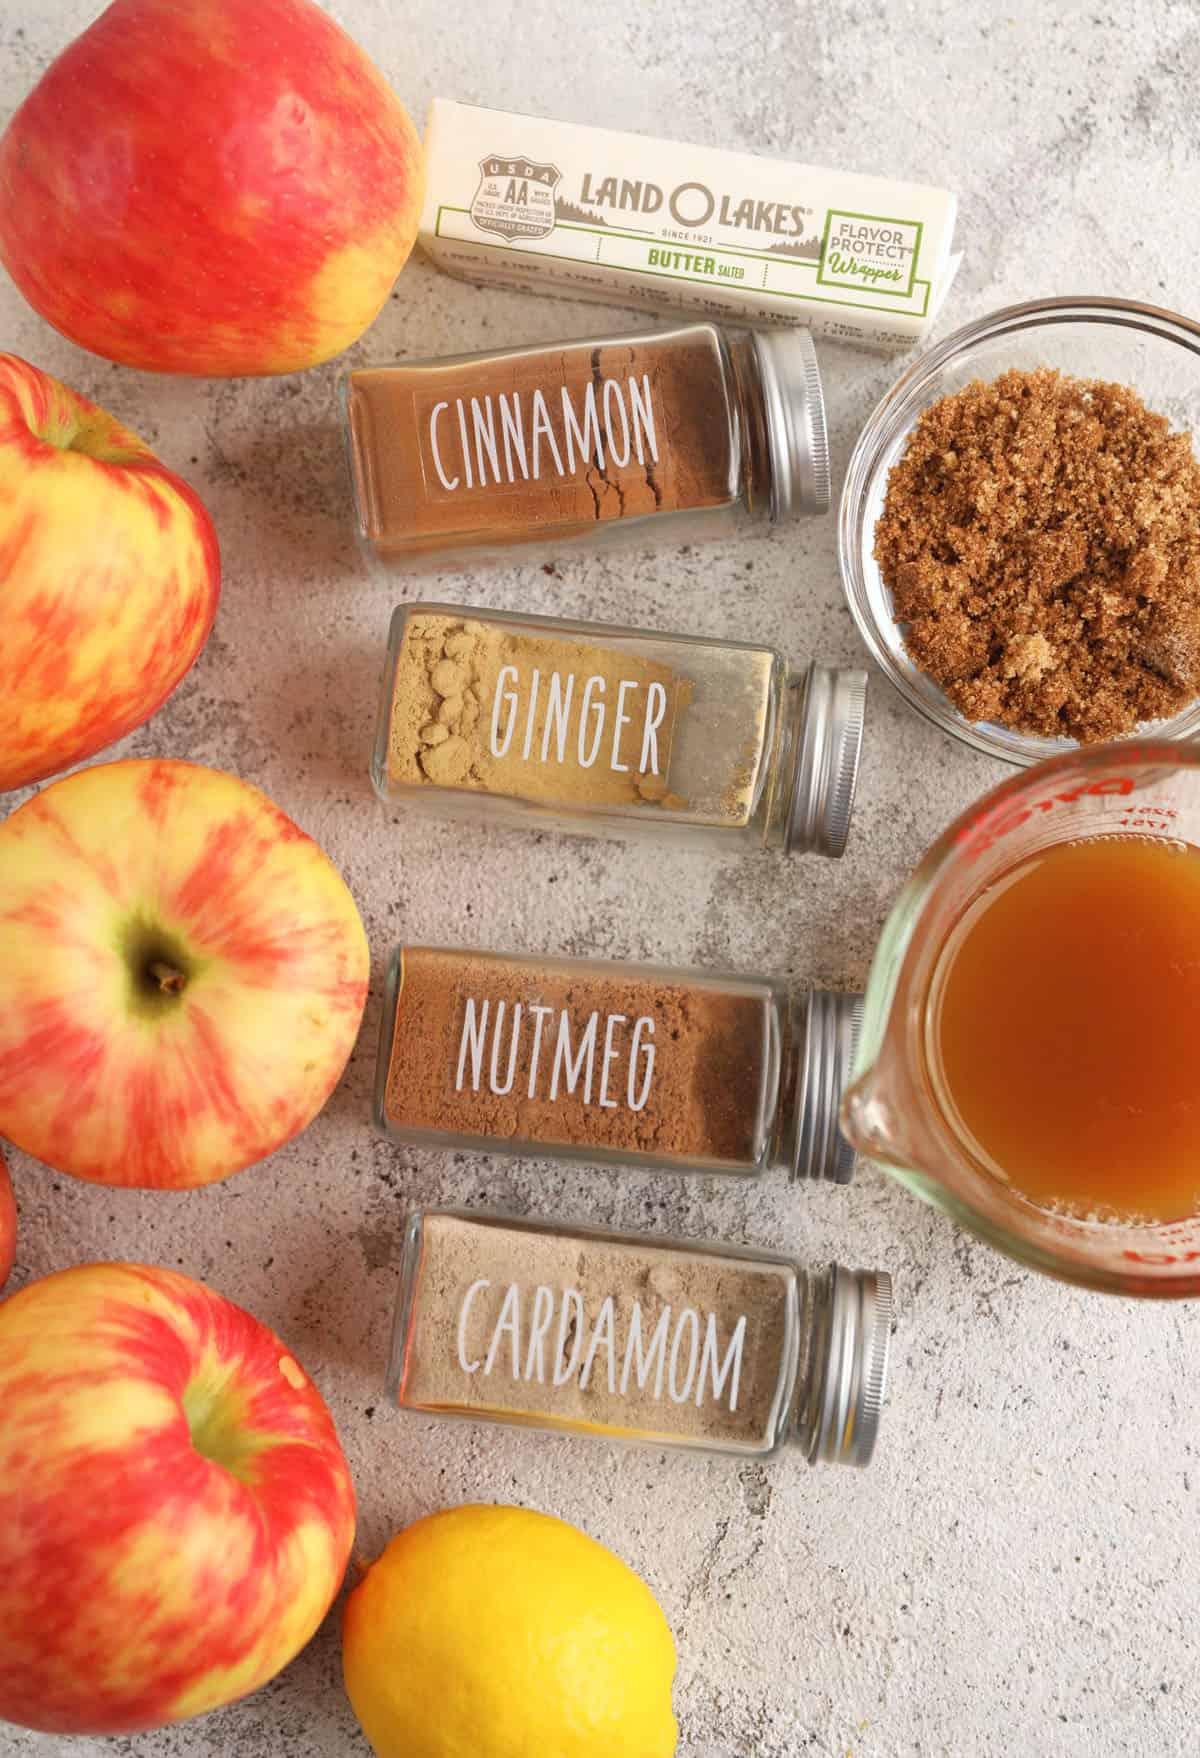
(1041, 540)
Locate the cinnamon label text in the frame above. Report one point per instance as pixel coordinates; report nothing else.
(510, 437)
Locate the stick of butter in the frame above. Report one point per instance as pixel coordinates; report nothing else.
(589, 213)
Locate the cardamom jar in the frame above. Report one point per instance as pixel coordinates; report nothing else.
(672, 1342)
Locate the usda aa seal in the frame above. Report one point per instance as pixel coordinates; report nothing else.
(515, 197)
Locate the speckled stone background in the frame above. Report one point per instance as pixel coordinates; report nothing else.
(1017, 1573)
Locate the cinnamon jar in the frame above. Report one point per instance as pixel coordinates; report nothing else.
(666, 434)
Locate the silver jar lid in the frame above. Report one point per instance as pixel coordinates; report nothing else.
(797, 437)
(828, 749)
(851, 1368)
(825, 1058)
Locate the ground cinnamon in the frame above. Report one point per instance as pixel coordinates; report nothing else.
(552, 441)
(1041, 540)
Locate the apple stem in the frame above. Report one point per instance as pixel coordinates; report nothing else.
(169, 980)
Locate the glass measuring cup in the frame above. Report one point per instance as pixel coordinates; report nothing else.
(891, 1113)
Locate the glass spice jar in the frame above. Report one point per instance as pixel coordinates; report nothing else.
(664, 434)
(611, 731)
(623, 1064)
(667, 1341)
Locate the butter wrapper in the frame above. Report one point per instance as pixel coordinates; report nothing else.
(589, 213)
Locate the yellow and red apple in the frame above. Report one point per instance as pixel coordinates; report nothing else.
(182, 975)
(176, 1513)
(8, 1223)
(109, 577)
(210, 186)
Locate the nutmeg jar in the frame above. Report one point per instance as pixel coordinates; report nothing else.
(662, 435)
(675, 1070)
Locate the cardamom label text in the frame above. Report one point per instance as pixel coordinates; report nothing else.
(547, 1337)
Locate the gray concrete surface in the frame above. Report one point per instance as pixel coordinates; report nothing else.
(1016, 1574)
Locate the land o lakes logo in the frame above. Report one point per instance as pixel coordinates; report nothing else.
(515, 197)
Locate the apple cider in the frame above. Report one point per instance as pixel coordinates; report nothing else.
(1064, 1021)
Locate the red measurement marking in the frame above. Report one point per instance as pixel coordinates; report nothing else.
(1162, 1257)
(982, 832)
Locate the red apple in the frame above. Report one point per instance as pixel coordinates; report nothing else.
(210, 186)
(175, 1511)
(8, 1223)
(182, 975)
(109, 577)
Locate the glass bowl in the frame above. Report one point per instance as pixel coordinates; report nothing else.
(1155, 352)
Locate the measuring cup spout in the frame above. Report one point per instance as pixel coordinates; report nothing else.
(880, 1122)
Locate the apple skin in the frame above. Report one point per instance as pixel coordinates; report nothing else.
(109, 577)
(182, 975)
(176, 1513)
(8, 1223)
(210, 186)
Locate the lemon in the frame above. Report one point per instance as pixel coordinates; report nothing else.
(493, 1632)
